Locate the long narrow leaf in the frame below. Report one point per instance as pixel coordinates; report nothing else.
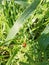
(20, 2)
(21, 20)
(44, 38)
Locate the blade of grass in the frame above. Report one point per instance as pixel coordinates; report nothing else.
(20, 2)
(16, 49)
(21, 20)
(44, 38)
(19, 23)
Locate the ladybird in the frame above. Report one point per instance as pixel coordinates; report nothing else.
(24, 44)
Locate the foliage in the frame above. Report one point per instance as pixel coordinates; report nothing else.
(24, 32)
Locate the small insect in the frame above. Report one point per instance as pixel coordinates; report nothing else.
(24, 44)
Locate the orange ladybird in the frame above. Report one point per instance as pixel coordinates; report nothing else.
(24, 44)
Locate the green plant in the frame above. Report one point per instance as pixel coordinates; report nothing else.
(27, 42)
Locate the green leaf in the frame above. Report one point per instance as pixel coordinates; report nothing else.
(44, 38)
(15, 50)
(21, 20)
(24, 3)
(20, 2)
